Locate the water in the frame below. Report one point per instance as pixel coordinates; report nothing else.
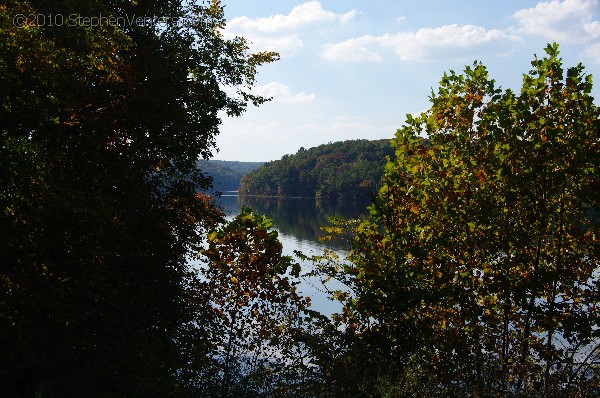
(298, 222)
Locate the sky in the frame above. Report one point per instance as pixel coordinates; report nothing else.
(353, 69)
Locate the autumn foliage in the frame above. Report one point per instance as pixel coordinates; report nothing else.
(477, 274)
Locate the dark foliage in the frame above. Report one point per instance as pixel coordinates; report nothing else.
(100, 129)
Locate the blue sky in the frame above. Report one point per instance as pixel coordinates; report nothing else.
(353, 69)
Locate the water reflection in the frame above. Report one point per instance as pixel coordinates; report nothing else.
(301, 218)
(298, 222)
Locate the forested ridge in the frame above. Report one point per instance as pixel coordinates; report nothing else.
(226, 174)
(341, 170)
(474, 275)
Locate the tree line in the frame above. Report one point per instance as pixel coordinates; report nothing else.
(340, 170)
(476, 274)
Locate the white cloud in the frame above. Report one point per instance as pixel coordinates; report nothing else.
(281, 33)
(568, 21)
(593, 52)
(282, 93)
(353, 50)
(301, 16)
(284, 45)
(445, 42)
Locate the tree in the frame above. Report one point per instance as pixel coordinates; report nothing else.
(255, 315)
(100, 129)
(477, 274)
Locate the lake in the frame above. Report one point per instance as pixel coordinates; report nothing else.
(298, 222)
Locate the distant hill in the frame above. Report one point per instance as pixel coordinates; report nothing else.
(227, 174)
(340, 170)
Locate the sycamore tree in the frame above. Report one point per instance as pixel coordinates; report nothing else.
(101, 124)
(477, 273)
